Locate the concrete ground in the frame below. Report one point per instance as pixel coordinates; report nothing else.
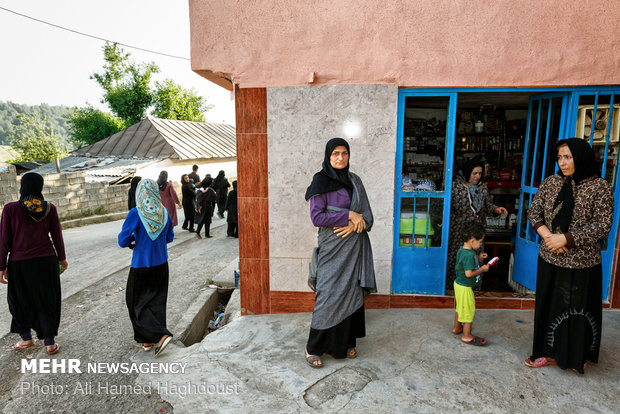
(409, 362)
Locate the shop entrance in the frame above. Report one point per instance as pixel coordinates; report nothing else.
(491, 128)
(513, 133)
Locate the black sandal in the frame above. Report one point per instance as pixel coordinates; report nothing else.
(477, 341)
(311, 359)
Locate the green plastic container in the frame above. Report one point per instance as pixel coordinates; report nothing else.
(407, 227)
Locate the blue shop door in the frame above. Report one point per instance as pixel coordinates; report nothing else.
(422, 197)
(546, 124)
(595, 116)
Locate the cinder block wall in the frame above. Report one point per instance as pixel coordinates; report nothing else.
(9, 187)
(70, 193)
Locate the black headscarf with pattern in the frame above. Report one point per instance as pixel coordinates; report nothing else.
(31, 197)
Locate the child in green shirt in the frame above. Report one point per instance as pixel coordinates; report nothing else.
(468, 274)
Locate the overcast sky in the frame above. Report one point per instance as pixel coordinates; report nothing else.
(43, 64)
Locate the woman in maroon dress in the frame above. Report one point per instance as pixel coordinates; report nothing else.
(34, 264)
(168, 196)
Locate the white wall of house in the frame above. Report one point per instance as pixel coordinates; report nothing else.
(176, 168)
(300, 121)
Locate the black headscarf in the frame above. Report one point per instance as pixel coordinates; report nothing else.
(475, 196)
(131, 202)
(585, 167)
(469, 166)
(206, 182)
(234, 183)
(219, 180)
(330, 179)
(30, 196)
(162, 181)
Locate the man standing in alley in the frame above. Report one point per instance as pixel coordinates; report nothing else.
(194, 175)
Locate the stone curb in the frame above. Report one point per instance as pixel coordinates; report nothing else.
(84, 221)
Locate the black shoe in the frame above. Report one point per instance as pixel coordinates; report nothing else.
(192, 230)
(184, 228)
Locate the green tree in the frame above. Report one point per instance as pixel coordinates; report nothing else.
(34, 138)
(128, 92)
(126, 84)
(174, 102)
(89, 125)
(55, 116)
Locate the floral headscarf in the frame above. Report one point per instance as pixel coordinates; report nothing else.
(152, 212)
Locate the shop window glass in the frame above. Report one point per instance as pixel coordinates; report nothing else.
(424, 143)
(604, 128)
(421, 221)
(601, 129)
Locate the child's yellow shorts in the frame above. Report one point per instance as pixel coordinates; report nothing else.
(465, 303)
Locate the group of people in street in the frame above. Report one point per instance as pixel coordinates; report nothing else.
(200, 200)
(572, 212)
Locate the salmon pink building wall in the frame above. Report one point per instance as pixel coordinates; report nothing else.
(439, 43)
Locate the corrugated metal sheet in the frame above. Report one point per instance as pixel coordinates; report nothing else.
(164, 138)
(102, 167)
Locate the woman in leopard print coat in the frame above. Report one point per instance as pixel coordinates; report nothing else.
(572, 212)
(471, 201)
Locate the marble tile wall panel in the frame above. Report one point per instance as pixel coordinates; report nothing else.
(300, 120)
(292, 274)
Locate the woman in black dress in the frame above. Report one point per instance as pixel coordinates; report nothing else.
(231, 212)
(572, 211)
(221, 185)
(189, 210)
(204, 206)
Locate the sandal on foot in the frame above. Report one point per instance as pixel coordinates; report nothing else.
(477, 341)
(160, 348)
(147, 347)
(539, 362)
(17, 346)
(311, 359)
(458, 333)
(54, 350)
(352, 353)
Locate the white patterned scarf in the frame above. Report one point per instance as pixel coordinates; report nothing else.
(152, 212)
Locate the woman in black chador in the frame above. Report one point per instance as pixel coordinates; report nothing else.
(31, 237)
(131, 195)
(572, 211)
(220, 185)
(204, 206)
(231, 212)
(188, 193)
